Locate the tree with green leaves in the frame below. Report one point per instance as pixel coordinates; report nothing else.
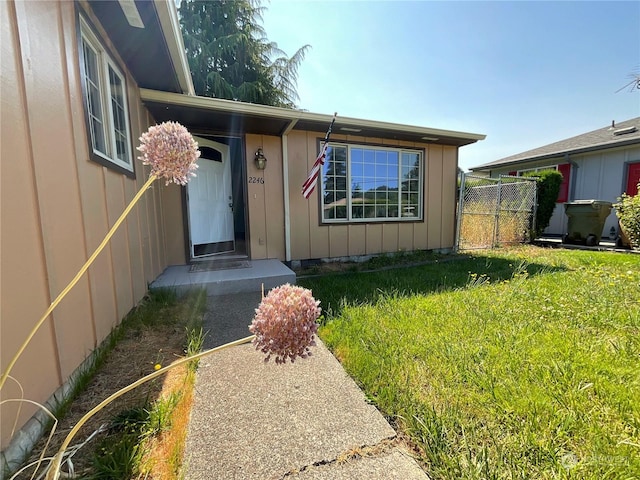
(230, 56)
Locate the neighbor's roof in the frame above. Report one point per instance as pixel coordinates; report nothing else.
(623, 133)
(228, 117)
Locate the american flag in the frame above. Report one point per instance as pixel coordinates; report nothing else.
(310, 184)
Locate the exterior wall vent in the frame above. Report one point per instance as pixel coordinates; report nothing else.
(131, 13)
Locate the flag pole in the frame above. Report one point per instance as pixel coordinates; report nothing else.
(333, 120)
(310, 183)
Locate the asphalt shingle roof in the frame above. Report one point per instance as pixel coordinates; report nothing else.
(605, 137)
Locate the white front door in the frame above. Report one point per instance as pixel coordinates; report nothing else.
(209, 201)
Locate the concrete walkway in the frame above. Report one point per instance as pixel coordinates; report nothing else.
(307, 420)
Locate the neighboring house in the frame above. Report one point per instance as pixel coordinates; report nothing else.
(599, 165)
(81, 81)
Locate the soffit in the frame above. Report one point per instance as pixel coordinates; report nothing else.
(144, 50)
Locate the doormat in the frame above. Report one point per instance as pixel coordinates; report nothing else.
(213, 265)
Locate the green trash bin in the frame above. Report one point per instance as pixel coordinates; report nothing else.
(586, 221)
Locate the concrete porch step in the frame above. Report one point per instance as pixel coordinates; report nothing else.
(248, 278)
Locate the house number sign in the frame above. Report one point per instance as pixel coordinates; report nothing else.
(256, 180)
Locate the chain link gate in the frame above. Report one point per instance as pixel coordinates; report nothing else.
(494, 212)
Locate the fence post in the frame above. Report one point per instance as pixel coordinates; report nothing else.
(535, 211)
(496, 232)
(456, 247)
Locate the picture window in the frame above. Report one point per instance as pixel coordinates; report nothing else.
(371, 184)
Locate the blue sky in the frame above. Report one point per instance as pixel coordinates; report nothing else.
(524, 73)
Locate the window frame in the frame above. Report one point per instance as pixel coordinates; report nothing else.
(519, 173)
(106, 65)
(350, 219)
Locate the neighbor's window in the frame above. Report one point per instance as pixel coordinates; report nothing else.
(364, 184)
(105, 103)
(519, 173)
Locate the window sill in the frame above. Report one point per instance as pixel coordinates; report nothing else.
(111, 165)
(371, 221)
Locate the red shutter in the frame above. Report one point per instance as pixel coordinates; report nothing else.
(565, 170)
(633, 177)
(513, 174)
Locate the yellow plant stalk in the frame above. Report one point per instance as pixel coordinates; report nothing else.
(53, 418)
(75, 280)
(54, 470)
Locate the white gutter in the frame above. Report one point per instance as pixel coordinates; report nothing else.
(168, 15)
(285, 178)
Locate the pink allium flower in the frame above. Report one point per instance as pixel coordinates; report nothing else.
(285, 323)
(171, 151)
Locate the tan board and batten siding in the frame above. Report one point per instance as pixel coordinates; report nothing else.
(310, 239)
(265, 201)
(56, 207)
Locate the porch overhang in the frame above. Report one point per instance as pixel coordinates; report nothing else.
(226, 117)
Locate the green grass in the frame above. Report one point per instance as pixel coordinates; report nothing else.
(120, 454)
(194, 343)
(442, 274)
(521, 363)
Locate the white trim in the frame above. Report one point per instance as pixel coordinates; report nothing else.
(349, 179)
(536, 169)
(104, 64)
(285, 178)
(170, 25)
(225, 152)
(125, 107)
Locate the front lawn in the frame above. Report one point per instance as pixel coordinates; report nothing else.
(521, 363)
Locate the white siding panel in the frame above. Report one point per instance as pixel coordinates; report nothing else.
(600, 176)
(558, 222)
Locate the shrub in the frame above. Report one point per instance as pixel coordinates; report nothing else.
(628, 212)
(548, 187)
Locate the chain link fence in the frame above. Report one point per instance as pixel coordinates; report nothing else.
(494, 212)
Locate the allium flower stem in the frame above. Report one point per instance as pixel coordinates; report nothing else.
(54, 469)
(75, 280)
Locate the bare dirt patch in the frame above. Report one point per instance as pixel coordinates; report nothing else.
(375, 263)
(134, 356)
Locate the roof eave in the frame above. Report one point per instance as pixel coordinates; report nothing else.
(563, 153)
(170, 25)
(317, 120)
